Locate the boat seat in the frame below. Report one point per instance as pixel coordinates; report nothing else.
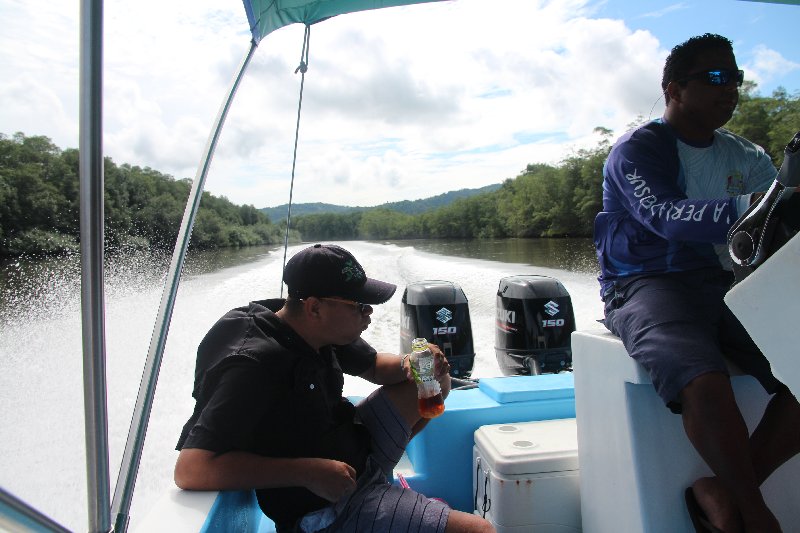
(237, 510)
(206, 512)
(634, 457)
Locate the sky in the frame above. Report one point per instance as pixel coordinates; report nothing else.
(398, 103)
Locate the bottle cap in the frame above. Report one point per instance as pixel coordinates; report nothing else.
(419, 344)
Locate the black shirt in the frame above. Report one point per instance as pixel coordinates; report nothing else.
(261, 388)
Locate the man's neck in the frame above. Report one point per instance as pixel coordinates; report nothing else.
(300, 326)
(687, 129)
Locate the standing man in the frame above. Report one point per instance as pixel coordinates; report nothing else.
(671, 190)
(270, 415)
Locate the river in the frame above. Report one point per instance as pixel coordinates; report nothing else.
(41, 386)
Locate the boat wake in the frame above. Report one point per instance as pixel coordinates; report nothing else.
(41, 368)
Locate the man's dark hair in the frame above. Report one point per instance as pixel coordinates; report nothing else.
(682, 57)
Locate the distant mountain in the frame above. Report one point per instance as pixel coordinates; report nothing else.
(410, 207)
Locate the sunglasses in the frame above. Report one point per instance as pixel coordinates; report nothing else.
(362, 308)
(718, 77)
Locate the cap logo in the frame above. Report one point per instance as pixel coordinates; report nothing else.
(351, 271)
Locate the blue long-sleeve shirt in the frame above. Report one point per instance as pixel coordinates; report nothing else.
(668, 203)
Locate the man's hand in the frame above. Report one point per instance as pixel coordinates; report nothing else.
(441, 368)
(330, 479)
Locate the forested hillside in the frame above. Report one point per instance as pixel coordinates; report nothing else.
(544, 200)
(409, 207)
(143, 208)
(39, 198)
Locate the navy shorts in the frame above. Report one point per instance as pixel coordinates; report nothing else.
(376, 504)
(678, 327)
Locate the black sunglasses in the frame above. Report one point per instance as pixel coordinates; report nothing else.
(717, 77)
(362, 308)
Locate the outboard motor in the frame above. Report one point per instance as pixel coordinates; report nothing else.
(535, 321)
(438, 311)
(769, 223)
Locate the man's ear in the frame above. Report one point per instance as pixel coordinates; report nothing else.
(311, 306)
(673, 92)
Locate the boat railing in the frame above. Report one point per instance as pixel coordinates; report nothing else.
(16, 514)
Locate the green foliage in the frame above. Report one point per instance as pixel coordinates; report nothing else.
(39, 205)
(328, 226)
(38, 241)
(409, 207)
(767, 121)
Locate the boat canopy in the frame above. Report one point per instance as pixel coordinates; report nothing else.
(266, 16)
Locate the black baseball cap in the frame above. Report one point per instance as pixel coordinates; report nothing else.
(329, 270)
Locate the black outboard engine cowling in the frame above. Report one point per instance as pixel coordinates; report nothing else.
(438, 311)
(535, 321)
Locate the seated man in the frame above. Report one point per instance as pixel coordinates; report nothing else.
(270, 415)
(672, 188)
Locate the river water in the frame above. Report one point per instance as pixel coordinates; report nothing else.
(41, 385)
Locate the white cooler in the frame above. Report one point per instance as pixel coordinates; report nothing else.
(525, 476)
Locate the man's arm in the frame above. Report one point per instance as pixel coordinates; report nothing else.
(198, 469)
(391, 368)
(212, 456)
(639, 176)
(388, 367)
(386, 370)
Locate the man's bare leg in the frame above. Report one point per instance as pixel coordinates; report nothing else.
(404, 397)
(774, 441)
(461, 522)
(716, 429)
(777, 437)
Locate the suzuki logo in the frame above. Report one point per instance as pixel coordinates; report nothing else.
(444, 315)
(551, 308)
(506, 315)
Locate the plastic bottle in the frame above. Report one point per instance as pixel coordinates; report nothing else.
(429, 393)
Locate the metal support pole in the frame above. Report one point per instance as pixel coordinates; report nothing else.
(144, 401)
(92, 298)
(16, 515)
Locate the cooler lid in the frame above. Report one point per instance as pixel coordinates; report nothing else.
(529, 447)
(511, 389)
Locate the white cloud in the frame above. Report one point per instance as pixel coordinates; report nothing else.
(26, 100)
(665, 10)
(766, 64)
(400, 103)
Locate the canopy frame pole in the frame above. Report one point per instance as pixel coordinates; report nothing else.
(92, 257)
(129, 467)
(302, 68)
(17, 515)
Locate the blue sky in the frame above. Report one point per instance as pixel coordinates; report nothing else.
(399, 104)
(750, 25)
